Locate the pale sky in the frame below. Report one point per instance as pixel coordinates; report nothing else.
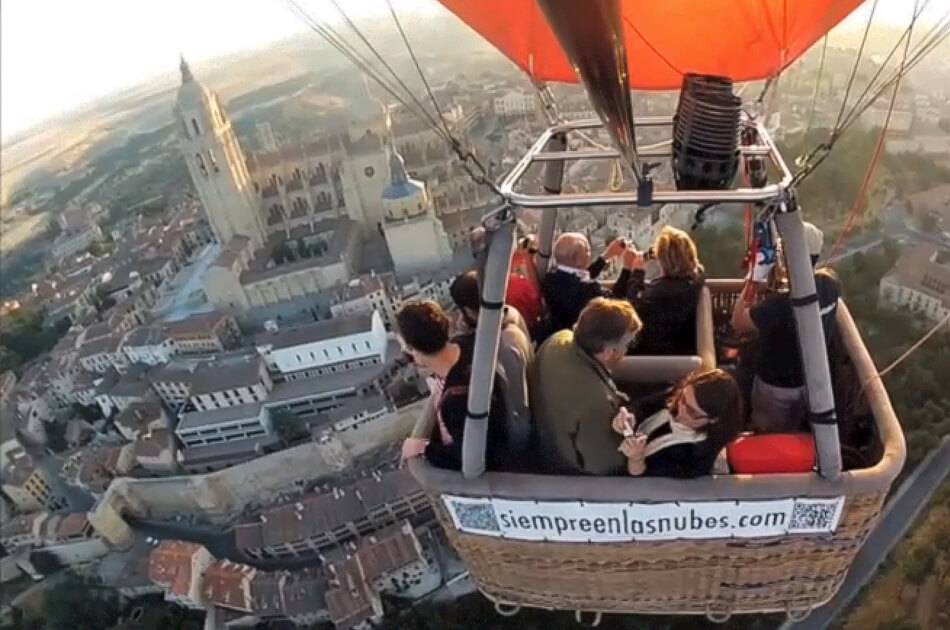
(56, 55)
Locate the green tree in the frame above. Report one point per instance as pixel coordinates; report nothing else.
(74, 602)
(289, 426)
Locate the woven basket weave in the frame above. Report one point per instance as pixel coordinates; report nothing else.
(692, 576)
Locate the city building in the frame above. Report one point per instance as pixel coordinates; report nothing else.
(116, 392)
(415, 236)
(327, 347)
(920, 281)
(28, 487)
(234, 423)
(154, 452)
(319, 521)
(204, 333)
(360, 412)
(149, 345)
(216, 163)
(514, 103)
(75, 242)
(179, 568)
(139, 418)
(100, 354)
(365, 294)
(226, 383)
(224, 437)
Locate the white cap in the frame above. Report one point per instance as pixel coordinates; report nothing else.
(814, 239)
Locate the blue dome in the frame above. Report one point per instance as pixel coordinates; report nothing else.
(400, 186)
(400, 190)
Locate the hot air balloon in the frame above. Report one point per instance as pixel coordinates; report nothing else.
(717, 545)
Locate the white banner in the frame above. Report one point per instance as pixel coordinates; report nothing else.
(579, 521)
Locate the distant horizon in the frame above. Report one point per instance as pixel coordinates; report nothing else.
(26, 103)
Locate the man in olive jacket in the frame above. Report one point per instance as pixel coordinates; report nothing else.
(573, 397)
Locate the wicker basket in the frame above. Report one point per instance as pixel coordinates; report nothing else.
(716, 577)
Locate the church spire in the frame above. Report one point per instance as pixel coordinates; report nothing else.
(186, 76)
(397, 168)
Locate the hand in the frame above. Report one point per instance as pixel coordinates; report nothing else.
(633, 260)
(623, 422)
(616, 248)
(634, 448)
(412, 447)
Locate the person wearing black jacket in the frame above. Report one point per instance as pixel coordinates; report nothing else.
(572, 283)
(423, 330)
(667, 305)
(684, 438)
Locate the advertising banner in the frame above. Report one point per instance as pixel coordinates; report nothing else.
(579, 521)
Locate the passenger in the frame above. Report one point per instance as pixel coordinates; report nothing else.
(515, 354)
(685, 438)
(423, 330)
(667, 305)
(524, 289)
(572, 283)
(573, 397)
(778, 390)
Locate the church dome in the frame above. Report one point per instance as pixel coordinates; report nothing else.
(401, 187)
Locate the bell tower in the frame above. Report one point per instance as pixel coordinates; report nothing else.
(216, 163)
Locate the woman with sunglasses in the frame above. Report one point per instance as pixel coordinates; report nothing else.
(684, 438)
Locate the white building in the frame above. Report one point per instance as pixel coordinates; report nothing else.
(238, 422)
(415, 236)
(514, 103)
(920, 281)
(149, 345)
(240, 382)
(327, 347)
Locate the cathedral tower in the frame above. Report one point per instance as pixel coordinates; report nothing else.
(416, 238)
(216, 163)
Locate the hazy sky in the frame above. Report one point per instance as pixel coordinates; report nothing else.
(56, 55)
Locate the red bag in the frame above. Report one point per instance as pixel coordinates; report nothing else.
(772, 453)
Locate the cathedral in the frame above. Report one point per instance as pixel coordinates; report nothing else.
(352, 182)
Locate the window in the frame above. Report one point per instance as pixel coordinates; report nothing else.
(368, 345)
(355, 349)
(194, 125)
(201, 164)
(213, 162)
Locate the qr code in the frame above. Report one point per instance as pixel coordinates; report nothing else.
(475, 516)
(813, 516)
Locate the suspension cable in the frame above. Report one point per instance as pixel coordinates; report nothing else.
(857, 62)
(415, 62)
(861, 196)
(467, 158)
(382, 60)
(814, 94)
(913, 348)
(456, 146)
(817, 155)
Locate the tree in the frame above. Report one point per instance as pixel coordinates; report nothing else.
(74, 602)
(919, 564)
(289, 426)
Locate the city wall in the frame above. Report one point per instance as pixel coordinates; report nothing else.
(220, 496)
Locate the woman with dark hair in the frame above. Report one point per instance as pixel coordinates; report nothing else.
(684, 438)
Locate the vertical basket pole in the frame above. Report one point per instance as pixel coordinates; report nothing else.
(553, 181)
(811, 340)
(501, 246)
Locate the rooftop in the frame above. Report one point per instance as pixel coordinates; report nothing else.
(144, 336)
(227, 452)
(228, 584)
(318, 331)
(194, 324)
(924, 268)
(139, 414)
(234, 413)
(170, 565)
(218, 376)
(342, 233)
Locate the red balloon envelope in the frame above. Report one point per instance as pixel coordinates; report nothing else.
(740, 39)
